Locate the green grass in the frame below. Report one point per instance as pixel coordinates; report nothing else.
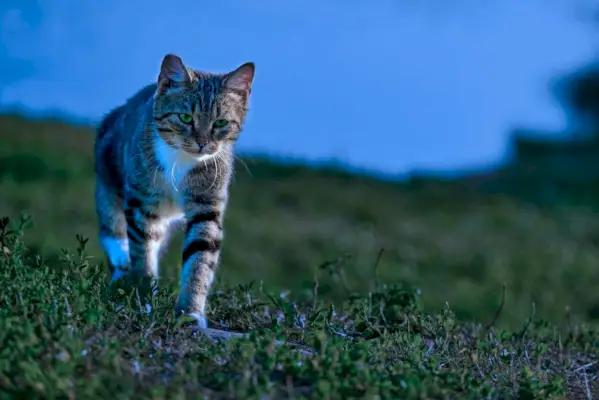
(63, 337)
(416, 327)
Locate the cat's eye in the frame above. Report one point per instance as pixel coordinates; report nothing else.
(220, 123)
(185, 118)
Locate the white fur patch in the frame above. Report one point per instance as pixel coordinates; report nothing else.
(176, 163)
(116, 249)
(153, 252)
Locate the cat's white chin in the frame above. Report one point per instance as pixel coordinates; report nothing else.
(204, 157)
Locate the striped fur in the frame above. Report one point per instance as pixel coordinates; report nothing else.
(155, 166)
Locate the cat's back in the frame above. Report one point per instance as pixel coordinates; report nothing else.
(115, 129)
(121, 120)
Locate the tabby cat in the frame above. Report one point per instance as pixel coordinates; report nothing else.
(167, 155)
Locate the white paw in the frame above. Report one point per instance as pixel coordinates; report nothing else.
(147, 309)
(201, 321)
(117, 274)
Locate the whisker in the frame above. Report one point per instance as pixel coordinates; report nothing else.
(216, 158)
(173, 176)
(205, 165)
(244, 164)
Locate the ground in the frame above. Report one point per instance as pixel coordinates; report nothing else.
(389, 290)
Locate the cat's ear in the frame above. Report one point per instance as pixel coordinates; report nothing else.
(173, 70)
(241, 79)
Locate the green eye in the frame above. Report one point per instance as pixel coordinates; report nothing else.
(185, 118)
(219, 123)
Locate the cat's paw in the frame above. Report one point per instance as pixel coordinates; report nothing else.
(201, 322)
(117, 275)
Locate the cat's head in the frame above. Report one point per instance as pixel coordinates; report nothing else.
(200, 112)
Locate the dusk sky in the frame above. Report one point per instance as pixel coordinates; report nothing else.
(392, 85)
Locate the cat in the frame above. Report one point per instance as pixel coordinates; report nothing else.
(167, 155)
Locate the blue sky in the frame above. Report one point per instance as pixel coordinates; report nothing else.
(389, 85)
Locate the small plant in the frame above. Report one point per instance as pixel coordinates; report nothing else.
(63, 336)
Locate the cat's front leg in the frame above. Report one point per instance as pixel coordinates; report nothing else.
(201, 252)
(146, 235)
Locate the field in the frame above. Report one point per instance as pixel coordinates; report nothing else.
(392, 291)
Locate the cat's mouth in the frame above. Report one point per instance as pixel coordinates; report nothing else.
(196, 149)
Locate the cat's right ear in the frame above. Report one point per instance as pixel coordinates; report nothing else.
(173, 71)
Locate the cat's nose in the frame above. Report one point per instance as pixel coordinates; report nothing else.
(208, 148)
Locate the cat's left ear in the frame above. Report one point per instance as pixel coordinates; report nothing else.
(173, 70)
(241, 79)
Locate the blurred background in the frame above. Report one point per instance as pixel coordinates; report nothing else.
(450, 145)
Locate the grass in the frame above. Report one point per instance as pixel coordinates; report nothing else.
(62, 337)
(396, 289)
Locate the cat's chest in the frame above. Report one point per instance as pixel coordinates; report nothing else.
(176, 165)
